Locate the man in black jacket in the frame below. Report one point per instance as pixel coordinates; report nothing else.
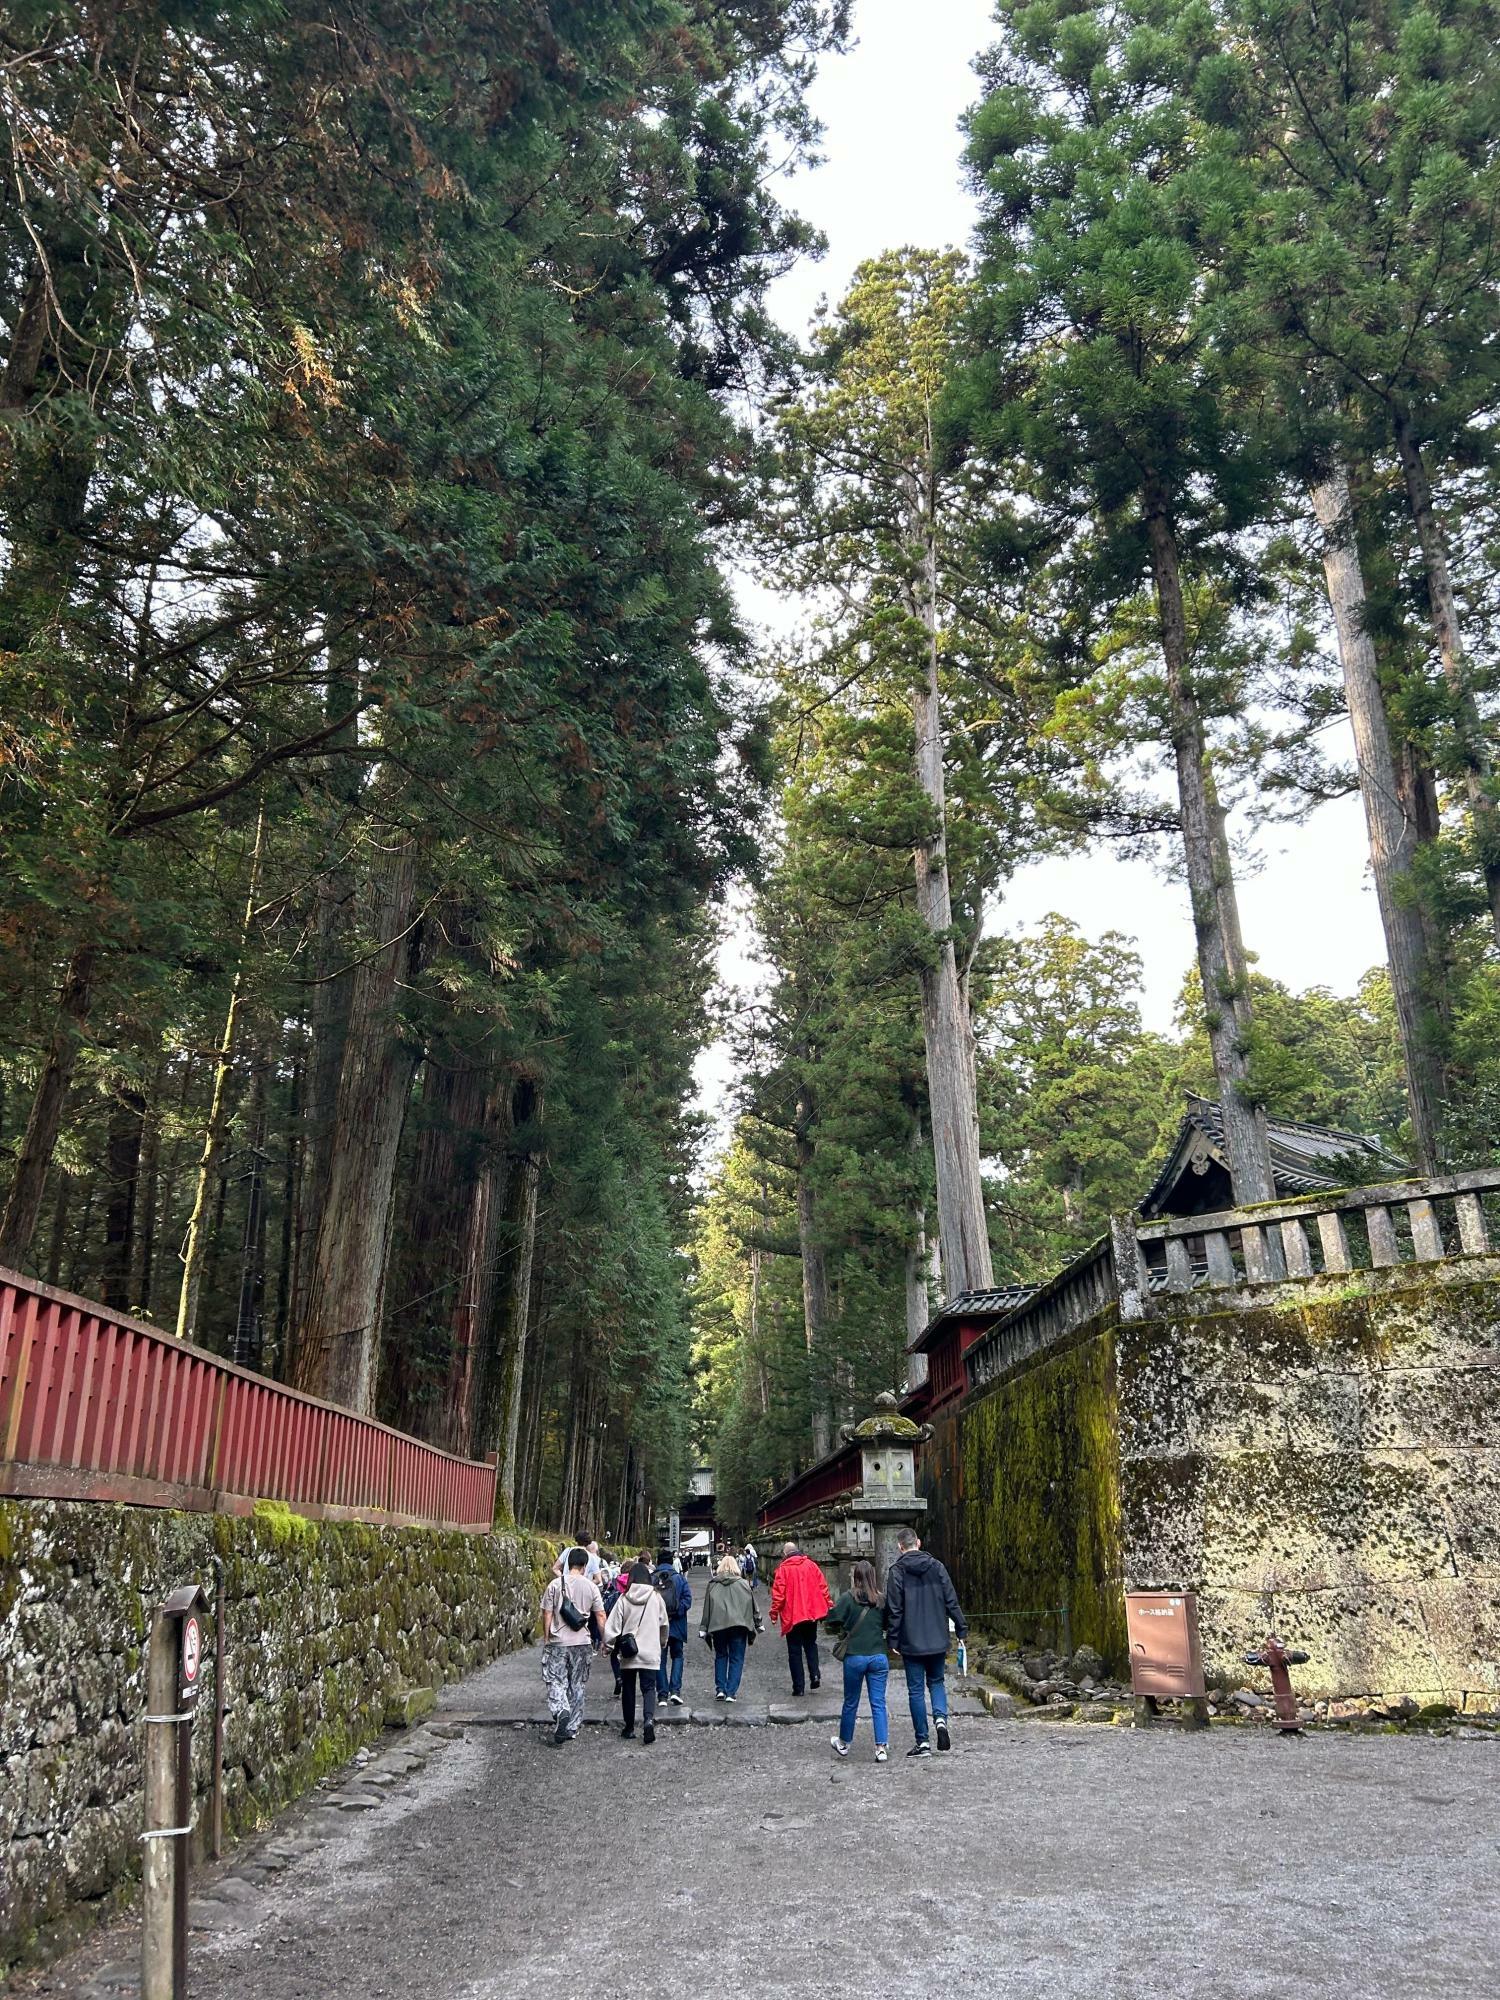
(919, 1601)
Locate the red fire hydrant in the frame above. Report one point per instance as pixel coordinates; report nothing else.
(1277, 1658)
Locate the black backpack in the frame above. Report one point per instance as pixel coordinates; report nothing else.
(670, 1585)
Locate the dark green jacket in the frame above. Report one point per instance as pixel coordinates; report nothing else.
(864, 1623)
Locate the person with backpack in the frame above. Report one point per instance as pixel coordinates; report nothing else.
(572, 1612)
(677, 1596)
(636, 1631)
(730, 1623)
(919, 1601)
(858, 1618)
(748, 1563)
(799, 1598)
(611, 1594)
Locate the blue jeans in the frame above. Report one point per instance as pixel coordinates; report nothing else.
(861, 1670)
(729, 1660)
(669, 1673)
(924, 1675)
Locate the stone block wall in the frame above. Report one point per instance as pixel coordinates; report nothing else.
(1328, 1464)
(1023, 1491)
(323, 1622)
(1324, 1462)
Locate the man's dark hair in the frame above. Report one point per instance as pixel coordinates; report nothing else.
(907, 1538)
(578, 1558)
(663, 1558)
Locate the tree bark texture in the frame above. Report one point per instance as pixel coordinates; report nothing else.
(1443, 608)
(1226, 997)
(1393, 835)
(497, 1396)
(814, 1275)
(122, 1166)
(23, 1203)
(195, 1246)
(338, 1351)
(947, 1031)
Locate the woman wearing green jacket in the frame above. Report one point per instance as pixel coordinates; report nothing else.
(859, 1620)
(730, 1623)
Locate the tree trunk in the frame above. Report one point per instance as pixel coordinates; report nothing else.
(498, 1399)
(338, 1352)
(122, 1166)
(143, 1276)
(195, 1246)
(921, 1283)
(249, 1318)
(814, 1277)
(28, 1183)
(1392, 834)
(333, 986)
(473, 1287)
(1226, 996)
(1443, 607)
(963, 1232)
(58, 1235)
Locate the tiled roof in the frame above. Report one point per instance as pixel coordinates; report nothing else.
(992, 1303)
(1304, 1158)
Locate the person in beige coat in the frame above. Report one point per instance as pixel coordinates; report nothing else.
(636, 1631)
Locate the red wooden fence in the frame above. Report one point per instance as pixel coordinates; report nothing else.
(96, 1406)
(829, 1479)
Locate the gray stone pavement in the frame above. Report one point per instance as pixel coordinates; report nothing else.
(468, 1861)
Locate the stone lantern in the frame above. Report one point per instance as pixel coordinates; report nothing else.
(887, 1499)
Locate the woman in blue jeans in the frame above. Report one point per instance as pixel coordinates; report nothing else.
(731, 1620)
(859, 1620)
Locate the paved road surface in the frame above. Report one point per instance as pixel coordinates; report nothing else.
(1036, 1860)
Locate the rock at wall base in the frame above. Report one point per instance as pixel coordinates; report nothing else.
(409, 1705)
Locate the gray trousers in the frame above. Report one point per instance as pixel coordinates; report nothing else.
(565, 1669)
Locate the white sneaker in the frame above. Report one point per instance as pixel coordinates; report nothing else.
(677, 1700)
(729, 1697)
(880, 1753)
(837, 1744)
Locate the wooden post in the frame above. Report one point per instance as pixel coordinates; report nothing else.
(159, 1870)
(174, 1657)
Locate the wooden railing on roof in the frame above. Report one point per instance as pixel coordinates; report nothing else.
(1348, 1230)
(95, 1405)
(1079, 1291)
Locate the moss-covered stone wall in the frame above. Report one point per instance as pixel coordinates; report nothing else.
(1328, 1465)
(323, 1623)
(1023, 1492)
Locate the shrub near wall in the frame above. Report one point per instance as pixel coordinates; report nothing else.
(1027, 1490)
(323, 1623)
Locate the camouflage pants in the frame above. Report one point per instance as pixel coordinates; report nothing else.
(565, 1669)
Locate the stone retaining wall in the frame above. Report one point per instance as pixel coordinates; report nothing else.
(324, 1623)
(1325, 1461)
(1328, 1464)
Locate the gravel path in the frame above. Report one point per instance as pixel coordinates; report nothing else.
(1070, 1861)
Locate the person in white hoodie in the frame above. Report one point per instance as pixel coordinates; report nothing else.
(636, 1632)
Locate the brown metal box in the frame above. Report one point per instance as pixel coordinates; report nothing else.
(1161, 1627)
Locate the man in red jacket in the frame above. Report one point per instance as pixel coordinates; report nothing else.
(799, 1598)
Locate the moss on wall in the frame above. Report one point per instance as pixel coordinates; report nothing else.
(1327, 1463)
(323, 1621)
(1024, 1495)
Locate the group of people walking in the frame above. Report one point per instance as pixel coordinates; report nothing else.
(638, 1615)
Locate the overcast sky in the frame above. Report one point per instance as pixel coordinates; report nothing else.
(891, 176)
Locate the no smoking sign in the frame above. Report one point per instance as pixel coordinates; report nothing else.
(192, 1655)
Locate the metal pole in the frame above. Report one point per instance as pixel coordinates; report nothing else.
(219, 1594)
(160, 1862)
